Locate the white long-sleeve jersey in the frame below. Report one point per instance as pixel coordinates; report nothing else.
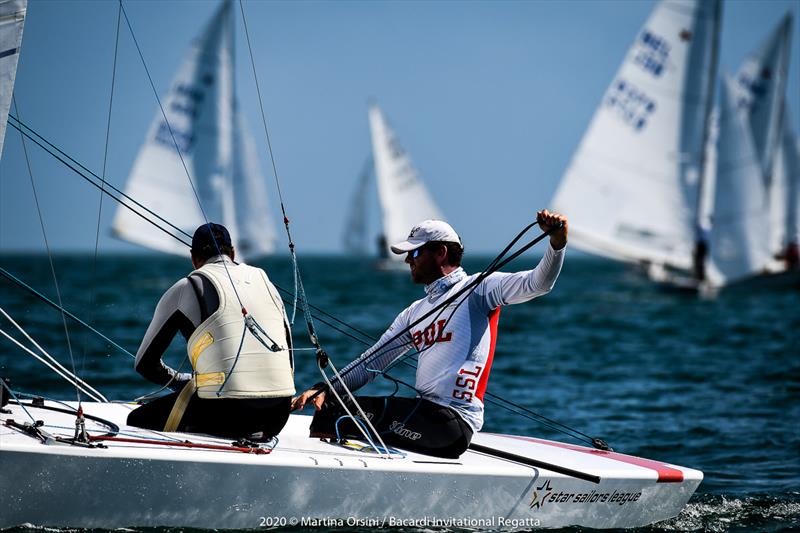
(456, 345)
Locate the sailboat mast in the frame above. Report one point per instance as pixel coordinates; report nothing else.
(701, 240)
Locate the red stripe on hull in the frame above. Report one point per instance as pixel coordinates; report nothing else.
(494, 318)
(666, 473)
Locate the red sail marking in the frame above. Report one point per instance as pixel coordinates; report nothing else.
(494, 318)
(666, 474)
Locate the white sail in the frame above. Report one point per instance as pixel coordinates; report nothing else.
(12, 20)
(760, 88)
(403, 197)
(252, 230)
(738, 247)
(213, 147)
(631, 190)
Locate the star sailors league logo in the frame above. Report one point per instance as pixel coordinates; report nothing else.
(540, 495)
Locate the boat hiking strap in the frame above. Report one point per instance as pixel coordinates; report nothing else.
(179, 408)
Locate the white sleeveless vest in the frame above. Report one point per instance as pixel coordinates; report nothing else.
(258, 372)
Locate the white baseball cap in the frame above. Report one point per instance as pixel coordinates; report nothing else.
(425, 232)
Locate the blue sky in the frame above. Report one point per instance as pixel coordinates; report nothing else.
(489, 98)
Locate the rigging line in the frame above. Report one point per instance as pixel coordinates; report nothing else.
(324, 313)
(261, 107)
(322, 357)
(46, 355)
(180, 155)
(93, 292)
(3, 383)
(298, 280)
(64, 374)
(6, 274)
(47, 246)
(49, 361)
(367, 422)
(63, 157)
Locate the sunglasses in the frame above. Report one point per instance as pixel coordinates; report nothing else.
(426, 246)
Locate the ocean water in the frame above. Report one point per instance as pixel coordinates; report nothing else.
(711, 384)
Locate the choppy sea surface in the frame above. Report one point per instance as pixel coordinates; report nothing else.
(711, 384)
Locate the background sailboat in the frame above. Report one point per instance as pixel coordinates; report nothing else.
(714, 207)
(760, 90)
(404, 199)
(633, 188)
(12, 21)
(738, 245)
(201, 135)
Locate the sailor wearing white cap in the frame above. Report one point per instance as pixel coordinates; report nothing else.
(456, 346)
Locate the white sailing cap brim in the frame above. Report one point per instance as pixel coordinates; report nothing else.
(425, 232)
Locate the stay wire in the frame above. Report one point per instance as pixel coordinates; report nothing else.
(47, 247)
(180, 155)
(122, 198)
(300, 293)
(68, 161)
(93, 290)
(298, 280)
(9, 276)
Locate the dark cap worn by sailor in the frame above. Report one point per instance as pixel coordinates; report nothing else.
(211, 237)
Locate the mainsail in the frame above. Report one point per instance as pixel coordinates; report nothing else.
(201, 136)
(12, 20)
(403, 197)
(760, 90)
(738, 248)
(632, 188)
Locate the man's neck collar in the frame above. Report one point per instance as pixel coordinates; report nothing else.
(445, 282)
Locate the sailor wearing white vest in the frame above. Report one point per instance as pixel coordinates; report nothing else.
(456, 347)
(238, 344)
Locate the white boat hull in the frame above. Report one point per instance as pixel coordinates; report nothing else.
(314, 483)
